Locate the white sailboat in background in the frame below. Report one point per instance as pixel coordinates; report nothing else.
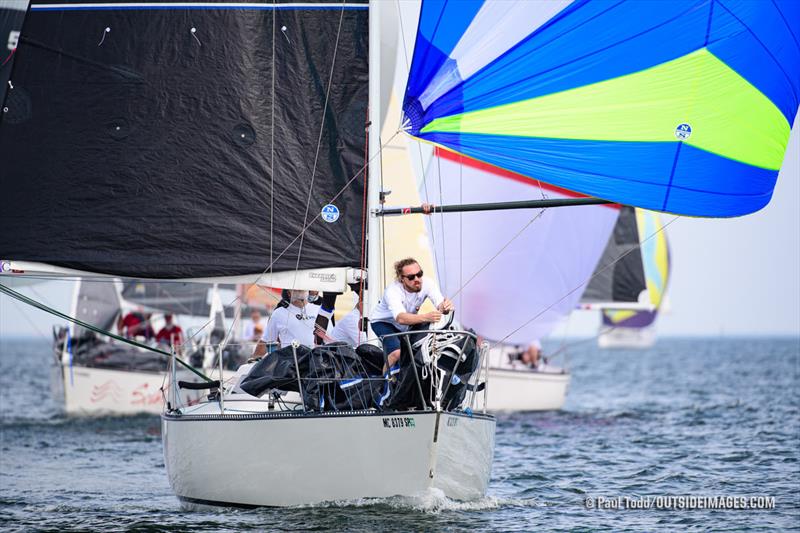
(95, 374)
(630, 281)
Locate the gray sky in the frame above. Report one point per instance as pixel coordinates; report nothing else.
(729, 276)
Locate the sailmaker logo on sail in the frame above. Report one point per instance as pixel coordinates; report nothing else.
(683, 131)
(330, 213)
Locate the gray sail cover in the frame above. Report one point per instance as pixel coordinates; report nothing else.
(12, 13)
(624, 280)
(144, 140)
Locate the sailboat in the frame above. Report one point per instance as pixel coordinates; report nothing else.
(96, 375)
(258, 172)
(630, 281)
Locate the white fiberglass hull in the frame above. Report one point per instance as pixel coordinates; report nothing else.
(628, 338)
(524, 390)
(99, 391)
(280, 458)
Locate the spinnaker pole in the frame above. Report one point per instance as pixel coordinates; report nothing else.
(493, 206)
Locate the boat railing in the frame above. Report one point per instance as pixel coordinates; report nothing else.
(435, 344)
(423, 352)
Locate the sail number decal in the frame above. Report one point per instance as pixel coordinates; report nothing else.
(330, 213)
(399, 422)
(13, 40)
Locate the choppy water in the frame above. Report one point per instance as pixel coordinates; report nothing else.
(690, 417)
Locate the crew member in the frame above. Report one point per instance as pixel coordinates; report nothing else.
(399, 306)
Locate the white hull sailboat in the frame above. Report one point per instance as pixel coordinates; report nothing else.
(526, 390)
(233, 452)
(97, 391)
(631, 280)
(622, 338)
(289, 458)
(517, 387)
(278, 446)
(89, 391)
(94, 375)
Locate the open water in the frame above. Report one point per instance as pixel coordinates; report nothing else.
(692, 417)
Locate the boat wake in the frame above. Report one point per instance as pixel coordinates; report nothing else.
(433, 501)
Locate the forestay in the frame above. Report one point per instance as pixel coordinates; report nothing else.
(682, 106)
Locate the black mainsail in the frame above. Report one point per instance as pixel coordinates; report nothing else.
(619, 276)
(191, 140)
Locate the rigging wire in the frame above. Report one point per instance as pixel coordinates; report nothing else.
(496, 255)
(566, 345)
(589, 279)
(29, 320)
(319, 142)
(382, 225)
(363, 261)
(428, 222)
(460, 229)
(38, 305)
(272, 140)
(441, 217)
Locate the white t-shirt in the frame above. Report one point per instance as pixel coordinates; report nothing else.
(346, 329)
(292, 323)
(396, 299)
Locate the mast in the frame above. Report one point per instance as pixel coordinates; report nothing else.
(374, 270)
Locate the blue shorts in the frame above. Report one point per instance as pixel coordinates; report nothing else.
(390, 344)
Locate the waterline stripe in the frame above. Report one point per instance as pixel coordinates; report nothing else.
(194, 5)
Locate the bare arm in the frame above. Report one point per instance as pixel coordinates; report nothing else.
(409, 319)
(260, 349)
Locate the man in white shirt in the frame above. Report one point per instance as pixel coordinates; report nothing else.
(348, 330)
(293, 322)
(399, 306)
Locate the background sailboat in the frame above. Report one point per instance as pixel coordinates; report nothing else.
(97, 375)
(630, 281)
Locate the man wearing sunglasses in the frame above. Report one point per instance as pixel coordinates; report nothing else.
(399, 306)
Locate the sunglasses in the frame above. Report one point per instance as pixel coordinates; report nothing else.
(412, 277)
